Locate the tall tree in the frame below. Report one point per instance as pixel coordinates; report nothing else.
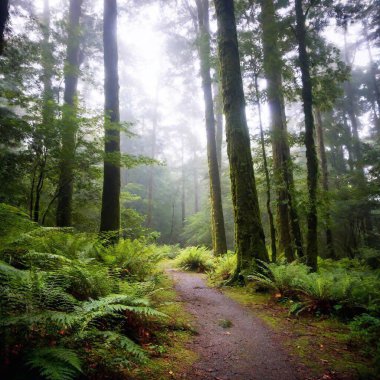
(311, 153)
(149, 218)
(4, 15)
(350, 109)
(249, 234)
(267, 179)
(42, 136)
(324, 181)
(110, 214)
(289, 228)
(218, 104)
(69, 117)
(218, 232)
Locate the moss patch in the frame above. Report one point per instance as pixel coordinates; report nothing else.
(320, 344)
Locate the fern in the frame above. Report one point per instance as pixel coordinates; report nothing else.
(195, 259)
(55, 363)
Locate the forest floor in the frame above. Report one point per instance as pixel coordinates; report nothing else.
(241, 338)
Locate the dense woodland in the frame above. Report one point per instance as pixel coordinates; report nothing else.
(236, 137)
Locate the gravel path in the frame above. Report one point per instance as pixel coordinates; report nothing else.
(247, 350)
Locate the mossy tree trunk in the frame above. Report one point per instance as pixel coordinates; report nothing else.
(218, 232)
(41, 150)
(110, 214)
(249, 234)
(289, 228)
(311, 153)
(69, 117)
(324, 181)
(218, 102)
(267, 179)
(4, 15)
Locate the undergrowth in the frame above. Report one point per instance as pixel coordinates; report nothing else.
(198, 259)
(70, 307)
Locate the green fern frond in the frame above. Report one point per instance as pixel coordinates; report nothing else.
(55, 363)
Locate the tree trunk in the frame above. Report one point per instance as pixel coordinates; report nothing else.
(196, 185)
(350, 108)
(267, 180)
(149, 218)
(39, 187)
(311, 154)
(110, 214)
(219, 122)
(249, 234)
(324, 182)
(218, 232)
(4, 15)
(287, 215)
(69, 117)
(376, 89)
(183, 182)
(47, 62)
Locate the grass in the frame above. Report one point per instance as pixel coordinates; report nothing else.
(321, 344)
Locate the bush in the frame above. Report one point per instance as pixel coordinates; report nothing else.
(63, 311)
(331, 290)
(365, 333)
(134, 258)
(225, 267)
(198, 259)
(168, 251)
(280, 278)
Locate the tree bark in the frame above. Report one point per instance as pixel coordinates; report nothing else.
(219, 122)
(376, 89)
(311, 154)
(324, 182)
(218, 232)
(267, 180)
(350, 108)
(69, 117)
(196, 184)
(183, 182)
(110, 214)
(289, 228)
(4, 16)
(149, 218)
(249, 234)
(47, 113)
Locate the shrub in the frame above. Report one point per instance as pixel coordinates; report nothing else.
(225, 267)
(331, 290)
(63, 311)
(365, 332)
(198, 259)
(134, 258)
(280, 277)
(13, 222)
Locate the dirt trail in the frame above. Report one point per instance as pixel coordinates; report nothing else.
(247, 350)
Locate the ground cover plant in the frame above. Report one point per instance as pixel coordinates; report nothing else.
(71, 307)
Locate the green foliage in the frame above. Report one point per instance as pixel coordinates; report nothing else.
(225, 267)
(134, 258)
(64, 301)
(280, 277)
(197, 230)
(13, 222)
(343, 289)
(198, 259)
(365, 332)
(55, 363)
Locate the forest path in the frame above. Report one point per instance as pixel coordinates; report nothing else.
(247, 350)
